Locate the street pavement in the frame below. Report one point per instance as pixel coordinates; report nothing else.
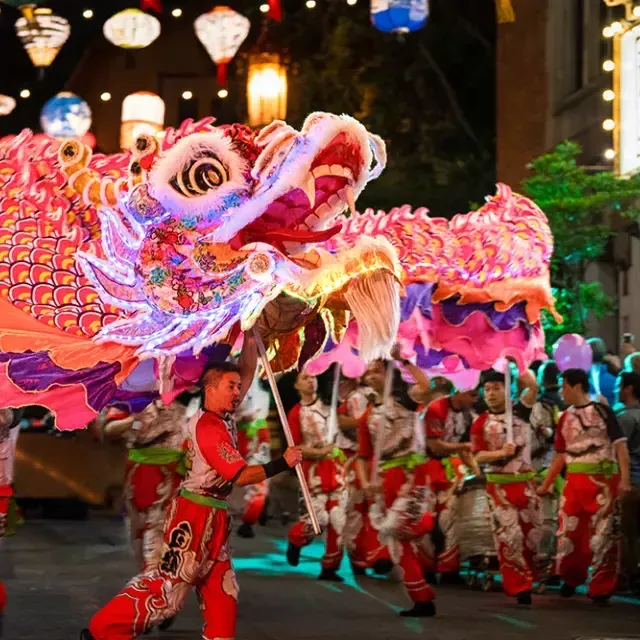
(58, 573)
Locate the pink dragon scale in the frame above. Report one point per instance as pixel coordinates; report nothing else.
(167, 252)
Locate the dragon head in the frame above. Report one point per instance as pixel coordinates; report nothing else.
(212, 226)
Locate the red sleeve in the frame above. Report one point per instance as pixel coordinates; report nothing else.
(343, 409)
(435, 417)
(264, 436)
(477, 433)
(294, 424)
(217, 448)
(559, 443)
(365, 446)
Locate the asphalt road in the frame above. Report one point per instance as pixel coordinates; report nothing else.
(58, 573)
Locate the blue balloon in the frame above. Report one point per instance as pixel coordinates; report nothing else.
(399, 16)
(66, 115)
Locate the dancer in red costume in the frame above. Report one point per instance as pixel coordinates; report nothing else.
(399, 514)
(354, 400)
(155, 439)
(448, 429)
(196, 551)
(324, 470)
(9, 419)
(517, 517)
(588, 441)
(254, 445)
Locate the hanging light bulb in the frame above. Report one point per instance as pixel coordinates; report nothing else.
(43, 35)
(608, 65)
(609, 154)
(132, 29)
(222, 31)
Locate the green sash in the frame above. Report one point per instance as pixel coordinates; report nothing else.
(409, 461)
(605, 468)
(510, 478)
(158, 456)
(207, 501)
(252, 428)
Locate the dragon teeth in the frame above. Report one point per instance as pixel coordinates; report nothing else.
(351, 198)
(310, 190)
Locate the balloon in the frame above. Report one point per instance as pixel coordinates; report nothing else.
(572, 351)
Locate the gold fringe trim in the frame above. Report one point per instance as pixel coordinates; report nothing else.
(505, 11)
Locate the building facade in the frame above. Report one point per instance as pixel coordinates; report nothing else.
(550, 85)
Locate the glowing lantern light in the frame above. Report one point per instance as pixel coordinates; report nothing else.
(399, 16)
(266, 89)
(132, 29)
(142, 112)
(42, 35)
(221, 32)
(66, 115)
(7, 105)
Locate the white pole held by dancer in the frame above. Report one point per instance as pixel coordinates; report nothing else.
(508, 414)
(285, 427)
(380, 436)
(333, 418)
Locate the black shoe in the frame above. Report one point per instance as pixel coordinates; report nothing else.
(165, 625)
(566, 590)
(420, 610)
(430, 577)
(245, 530)
(601, 601)
(358, 571)
(331, 575)
(524, 598)
(451, 578)
(85, 634)
(293, 555)
(382, 567)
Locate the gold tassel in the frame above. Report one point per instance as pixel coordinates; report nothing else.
(505, 11)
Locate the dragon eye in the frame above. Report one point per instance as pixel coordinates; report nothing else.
(201, 176)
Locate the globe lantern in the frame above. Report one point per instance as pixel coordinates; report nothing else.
(66, 115)
(132, 29)
(42, 35)
(399, 16)
(221, 32)
(142, 112)
(7, 105)
(266, 89)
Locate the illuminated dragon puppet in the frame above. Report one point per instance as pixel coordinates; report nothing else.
(176, 247)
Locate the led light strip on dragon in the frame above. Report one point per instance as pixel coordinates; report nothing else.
(119, 271)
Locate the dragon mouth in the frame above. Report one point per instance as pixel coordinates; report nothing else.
(306, 214)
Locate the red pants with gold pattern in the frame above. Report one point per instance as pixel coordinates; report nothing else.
(589, 532)
(356, 515)
(196, 554)
(6, 493)
(149, 491)
(328, 496)
(517, 521)
(400, 518)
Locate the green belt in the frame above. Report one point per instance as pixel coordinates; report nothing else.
(558, 483)
(159, 456)
(605, 468)
(510, 478)
(449, 469)
(252, 428)
(339, 454)
(207, 501)
(409, 461)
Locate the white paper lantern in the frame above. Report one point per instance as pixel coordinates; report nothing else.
(43, 35)
(222, 31)
(7, 105)
(132, 29)
(142, 112)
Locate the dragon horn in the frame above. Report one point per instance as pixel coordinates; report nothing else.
(74, 157)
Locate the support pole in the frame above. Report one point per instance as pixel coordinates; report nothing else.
(386, 394)
(508, 403)
(333, 424)
(285, 426)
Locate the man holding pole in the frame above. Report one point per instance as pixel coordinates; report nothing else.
(196, 549)
(501, 439)
(310, 422)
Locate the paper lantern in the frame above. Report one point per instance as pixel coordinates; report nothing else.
(7, 105)
(221, 32)
(132, 29)
(266, 89)
(399, 16)
(43, 35)
(142, 112)
(66, 115)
